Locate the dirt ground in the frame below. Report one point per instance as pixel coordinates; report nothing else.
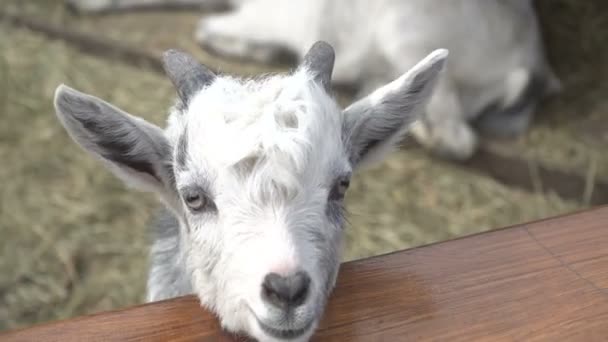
(73, 239)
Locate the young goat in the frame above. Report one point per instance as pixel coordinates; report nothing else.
(253, 174)
(497, 73)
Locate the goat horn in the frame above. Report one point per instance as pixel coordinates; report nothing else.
(186, 73)
(320, 60)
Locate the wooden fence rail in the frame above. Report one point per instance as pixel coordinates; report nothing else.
(542, 281)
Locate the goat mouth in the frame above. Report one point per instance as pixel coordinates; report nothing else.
(285, 334)
(282, 334)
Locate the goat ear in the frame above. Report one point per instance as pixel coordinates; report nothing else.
(135, 150)
(373, 125)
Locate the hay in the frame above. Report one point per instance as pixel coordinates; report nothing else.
(73, 240)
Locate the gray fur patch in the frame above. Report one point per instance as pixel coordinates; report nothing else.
(182, 149)
(168, 277)
(335, 211)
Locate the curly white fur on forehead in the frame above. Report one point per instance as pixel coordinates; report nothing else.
(275, 118)
(280, 118)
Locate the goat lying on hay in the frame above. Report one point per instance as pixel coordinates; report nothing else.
(253, 174)
(497, 73)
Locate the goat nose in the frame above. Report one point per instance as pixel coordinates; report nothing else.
(285, 292)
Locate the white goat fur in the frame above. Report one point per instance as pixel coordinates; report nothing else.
(266, 154)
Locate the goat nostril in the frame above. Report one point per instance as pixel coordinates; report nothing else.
(299, 288)
(283, 292)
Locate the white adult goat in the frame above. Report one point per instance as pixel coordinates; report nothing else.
(497, 74)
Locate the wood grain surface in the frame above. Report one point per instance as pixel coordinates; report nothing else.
(543, 281)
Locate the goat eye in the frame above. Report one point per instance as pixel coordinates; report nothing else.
(195, 201)
(339, 189)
